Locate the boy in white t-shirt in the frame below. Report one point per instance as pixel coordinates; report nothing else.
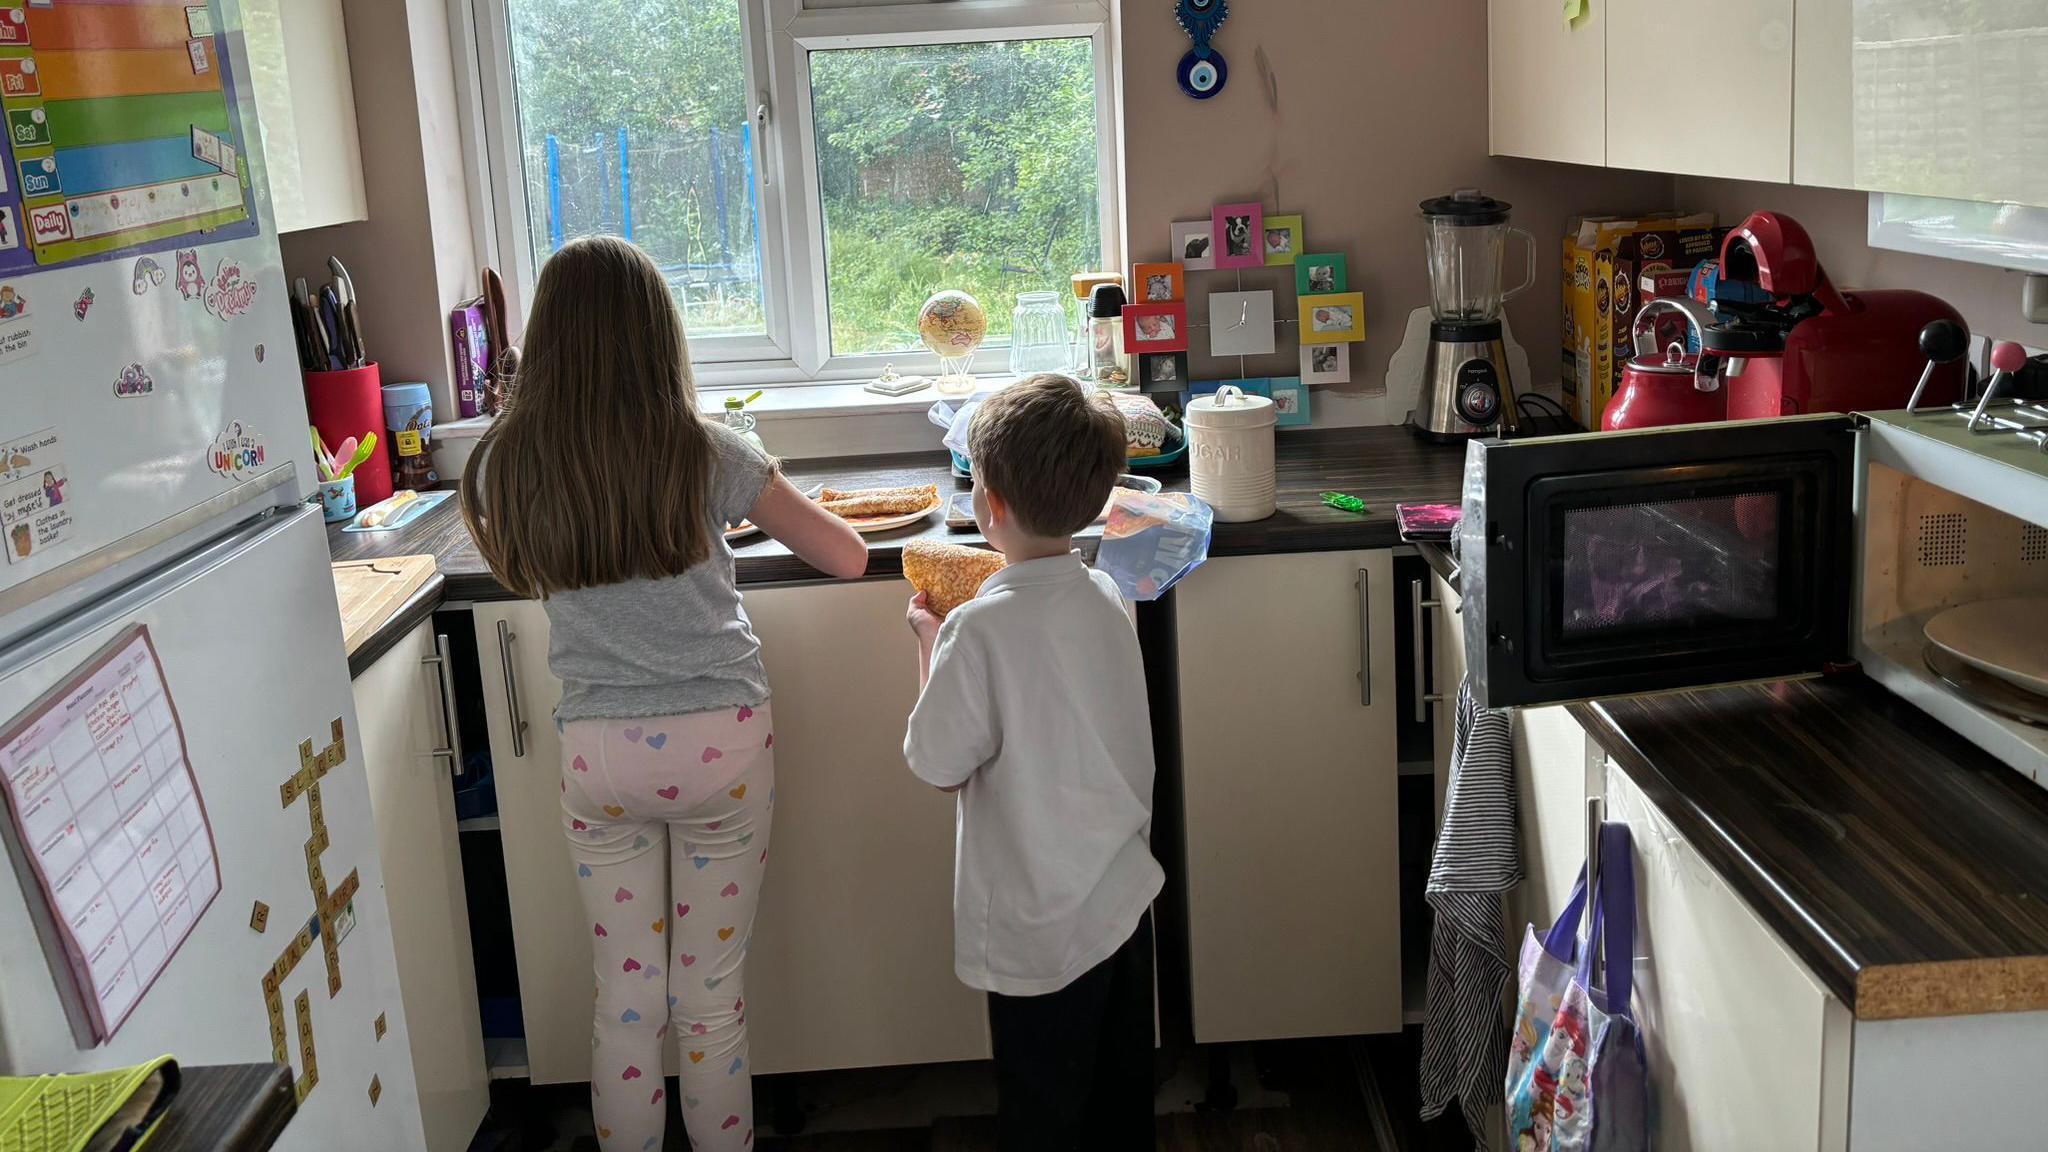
(1034, 711)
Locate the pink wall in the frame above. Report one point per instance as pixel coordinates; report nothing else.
(1989, 298)
(1378, 106)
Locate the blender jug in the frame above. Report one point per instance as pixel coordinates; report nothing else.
(1463, 236)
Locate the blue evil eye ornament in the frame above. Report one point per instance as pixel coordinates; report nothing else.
(1201, 72)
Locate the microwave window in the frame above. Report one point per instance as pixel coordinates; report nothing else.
(1704, 562)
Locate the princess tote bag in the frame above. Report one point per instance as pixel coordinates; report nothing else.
(1577, 1078)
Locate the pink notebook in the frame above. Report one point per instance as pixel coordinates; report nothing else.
(1427, 521)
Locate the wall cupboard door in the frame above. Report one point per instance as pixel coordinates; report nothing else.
(1547, 81)
(305, 98)
(1289, 775)
(1823, 126)
(852, 961)
(400, 718)
(1733, 120)
(1746, 1048)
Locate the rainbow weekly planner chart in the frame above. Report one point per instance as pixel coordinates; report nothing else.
(122, 131)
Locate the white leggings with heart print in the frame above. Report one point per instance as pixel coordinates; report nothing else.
(667, 819)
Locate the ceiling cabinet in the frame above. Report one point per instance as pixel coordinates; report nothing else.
(1549, 82)
(306, 105)
(1731, 117)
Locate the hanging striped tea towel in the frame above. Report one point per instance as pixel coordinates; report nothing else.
(1478, 858)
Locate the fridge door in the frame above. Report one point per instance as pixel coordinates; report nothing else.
(249, 642)
(149, 381)
(1613, 564)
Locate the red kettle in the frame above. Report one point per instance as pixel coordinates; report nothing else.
(1659, 389)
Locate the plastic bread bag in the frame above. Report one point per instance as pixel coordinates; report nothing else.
(955, 419)
(1153, 539)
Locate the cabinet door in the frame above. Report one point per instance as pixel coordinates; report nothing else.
(305, 98)
(1550, 800)
(1746, 1049)
(1547, 81)
(1288, 772)
(1823, 125)
(550, 940)
(852, 963)
(1733, 119)
(399, 714)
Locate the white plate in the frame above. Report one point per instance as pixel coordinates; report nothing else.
(885, 523)
(2007, 638)
(746, 528)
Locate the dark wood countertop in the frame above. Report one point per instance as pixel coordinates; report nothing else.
(1381, 466)
(1905, 866)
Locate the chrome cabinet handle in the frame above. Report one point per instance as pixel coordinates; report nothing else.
(505, 638)
(1423, 696)
(444, 665)
(1364, 638)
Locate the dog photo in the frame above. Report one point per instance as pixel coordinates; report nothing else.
(1240, 231)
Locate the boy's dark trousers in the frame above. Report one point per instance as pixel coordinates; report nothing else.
(1074, 1067)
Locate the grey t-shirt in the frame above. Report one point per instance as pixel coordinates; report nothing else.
(669, 646)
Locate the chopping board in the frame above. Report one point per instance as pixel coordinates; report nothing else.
(371, 592)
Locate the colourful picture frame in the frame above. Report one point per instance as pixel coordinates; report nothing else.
(1282, 239)
(1193, 244)
(1321, 273)
(1256, 386)
(1156, 327)
(1333, 318)
(1239, 231)
(1148, 279)
(1163, 371)
(1290, 401)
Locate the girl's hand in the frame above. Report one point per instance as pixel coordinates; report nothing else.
(923, 621)
(818, 538)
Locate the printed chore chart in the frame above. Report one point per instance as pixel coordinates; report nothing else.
(112, 827)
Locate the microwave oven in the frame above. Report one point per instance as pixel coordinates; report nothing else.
(1611, 564)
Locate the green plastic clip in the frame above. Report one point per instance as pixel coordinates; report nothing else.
(1344, 503)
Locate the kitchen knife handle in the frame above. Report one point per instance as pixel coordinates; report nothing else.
(1423, 696)
(1364, 638)
(444, 665)
(513, 712)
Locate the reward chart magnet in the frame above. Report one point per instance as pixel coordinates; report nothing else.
(1201, 72)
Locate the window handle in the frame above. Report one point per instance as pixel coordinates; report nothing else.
(761, 137)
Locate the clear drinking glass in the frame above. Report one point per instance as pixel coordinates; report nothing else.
(1038, 334)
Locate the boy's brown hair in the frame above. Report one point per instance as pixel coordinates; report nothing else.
(596, 471)
(1051, 450)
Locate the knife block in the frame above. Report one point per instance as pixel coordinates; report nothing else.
(351, 403)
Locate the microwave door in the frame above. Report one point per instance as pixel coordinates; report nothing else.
(1616, 564)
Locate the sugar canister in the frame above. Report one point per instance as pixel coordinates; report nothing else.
(1230, 453)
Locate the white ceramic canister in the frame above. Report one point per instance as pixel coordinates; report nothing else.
(1230, 453)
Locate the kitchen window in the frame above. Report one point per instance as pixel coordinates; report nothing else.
(806, 172)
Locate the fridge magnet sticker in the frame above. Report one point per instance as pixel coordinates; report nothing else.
(34, 512)
(199, 20)
(133, 381)
(376, 1091)
(23, 454)
(259, 353)
(17, 333)
(83, 304)
(379, 1025)
(236, 453)
(231, 293)
(10, 232)
(259, 916)
(190, 282)
(148, 274)
(196, 49)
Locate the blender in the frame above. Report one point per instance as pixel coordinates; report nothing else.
(1465, 386)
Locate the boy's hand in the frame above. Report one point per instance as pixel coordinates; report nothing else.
(923, 621)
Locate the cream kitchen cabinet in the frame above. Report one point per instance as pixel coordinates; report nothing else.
(1547, 86)
(305, 100)
(1746, 1048)
(855, 925)
(1289, 772)
(1742, 128)
(403, 714)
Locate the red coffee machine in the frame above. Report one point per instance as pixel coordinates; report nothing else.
(1786, 342)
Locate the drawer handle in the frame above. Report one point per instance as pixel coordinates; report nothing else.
(1364, 638)
(444, 665)
(505, 638)
(1423, 696)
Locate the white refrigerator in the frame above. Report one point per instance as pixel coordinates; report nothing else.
(192, 865)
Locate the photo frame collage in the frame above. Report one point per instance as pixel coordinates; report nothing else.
(1241, 323)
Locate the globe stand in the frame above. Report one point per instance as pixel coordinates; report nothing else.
(955, 379)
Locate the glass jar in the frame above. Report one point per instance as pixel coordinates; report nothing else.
(1038, 334)
(742, 421)
(1108, 364)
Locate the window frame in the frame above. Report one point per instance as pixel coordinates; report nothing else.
(779, 36)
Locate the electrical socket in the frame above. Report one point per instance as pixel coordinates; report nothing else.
(2034, 298)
